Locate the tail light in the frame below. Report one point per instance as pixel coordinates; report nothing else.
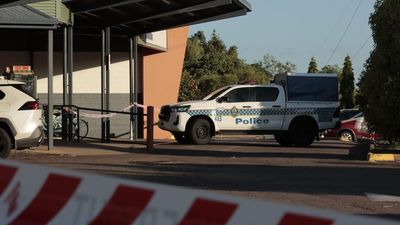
(33, 105)
(336, 114)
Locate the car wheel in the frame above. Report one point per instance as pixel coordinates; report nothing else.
(181, 138)
(283, 139)
(5, 144)
(302, 132)
(199, 132)
(346, 136)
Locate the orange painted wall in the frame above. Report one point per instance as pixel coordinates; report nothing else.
(162, 74)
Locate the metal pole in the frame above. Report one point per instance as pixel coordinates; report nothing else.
(65, 83)
(150, 132)
(65, 66)
(108, 64)
(131, 88)
(78, 124)
(103, 87)
(70, 63)
(50, 90)
(136, 84)
(70, 78)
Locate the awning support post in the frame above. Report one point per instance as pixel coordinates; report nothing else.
(136, 82)
(65, 82)
(50, 53)
(108, 65)
(70, 63)
(103, 86)
(131, 88)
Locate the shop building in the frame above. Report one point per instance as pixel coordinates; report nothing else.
(153, 32)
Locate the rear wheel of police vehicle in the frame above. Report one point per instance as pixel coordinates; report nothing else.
(199, 132)
(181, 138)
(5, 144)
(283, 139)
(302, 132)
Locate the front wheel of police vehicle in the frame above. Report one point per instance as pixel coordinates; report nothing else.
(200, 132)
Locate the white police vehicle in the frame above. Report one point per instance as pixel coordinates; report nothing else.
(294, 108)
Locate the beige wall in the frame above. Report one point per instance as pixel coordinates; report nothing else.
(162, 73)
(87, 72)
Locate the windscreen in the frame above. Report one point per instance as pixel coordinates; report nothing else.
(308, 88)
(216, 93)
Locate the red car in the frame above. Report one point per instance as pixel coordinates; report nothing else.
(353, 128)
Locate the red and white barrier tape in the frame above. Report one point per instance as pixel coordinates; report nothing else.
(35, 195)
(108, 115)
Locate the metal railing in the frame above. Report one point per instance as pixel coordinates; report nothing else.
(71, 131)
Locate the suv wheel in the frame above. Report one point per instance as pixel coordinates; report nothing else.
(303, 132)
(5, 144)
(199, 132)
(181, 138)
(283, 139)
(346, 136)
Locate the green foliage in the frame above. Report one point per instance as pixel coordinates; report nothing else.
(379, 85)
(347, 85)
(188, 88)
(313, 67)
(332, 69)
(210, 64)
(273, 66)
(208, 84)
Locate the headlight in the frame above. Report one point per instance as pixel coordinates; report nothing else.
(177, 109)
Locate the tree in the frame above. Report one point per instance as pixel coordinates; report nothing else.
(380, 81)
(210, 64)
(188, 88)
(208, 84)
(347, 85)
(332, 69)
(273, 66)
(312, 67)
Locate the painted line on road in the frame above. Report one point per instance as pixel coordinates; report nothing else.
(382, 198)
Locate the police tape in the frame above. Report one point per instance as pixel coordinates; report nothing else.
(107, 115)
(39, 195)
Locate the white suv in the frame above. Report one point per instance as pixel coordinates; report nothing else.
(20, 123)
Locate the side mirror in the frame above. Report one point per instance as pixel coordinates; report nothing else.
(223, 99)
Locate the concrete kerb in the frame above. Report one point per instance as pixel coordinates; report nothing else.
(371, 152)
(383, 154)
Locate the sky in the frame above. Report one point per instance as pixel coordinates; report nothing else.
(296, 30)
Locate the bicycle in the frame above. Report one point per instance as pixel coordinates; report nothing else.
(82, 129)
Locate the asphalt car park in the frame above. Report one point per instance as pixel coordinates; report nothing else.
(324, 175)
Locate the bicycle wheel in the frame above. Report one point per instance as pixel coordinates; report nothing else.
(83, 129)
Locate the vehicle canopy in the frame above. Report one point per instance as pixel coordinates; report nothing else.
(321, 87)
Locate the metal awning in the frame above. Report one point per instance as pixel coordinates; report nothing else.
(23, 16)
(8, 3)
(133, 17)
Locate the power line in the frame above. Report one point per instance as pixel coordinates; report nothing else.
(333, 28)
(361, 48)
(345, 31)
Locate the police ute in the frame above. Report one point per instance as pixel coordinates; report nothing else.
(294, 108)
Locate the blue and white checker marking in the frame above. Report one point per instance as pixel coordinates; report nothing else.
(324, 114)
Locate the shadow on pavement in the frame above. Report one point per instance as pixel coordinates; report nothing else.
(242, 177)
